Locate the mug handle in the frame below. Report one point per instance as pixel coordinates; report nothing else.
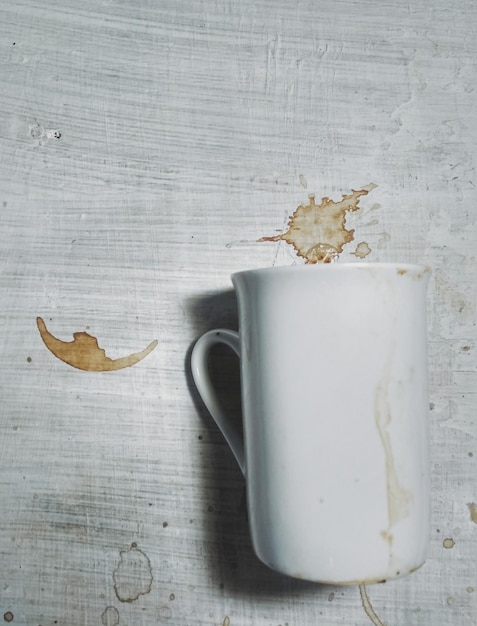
(200, 374)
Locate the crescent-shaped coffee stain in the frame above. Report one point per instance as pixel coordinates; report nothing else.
(84, 352)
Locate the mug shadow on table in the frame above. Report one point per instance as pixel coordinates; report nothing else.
(227, 547)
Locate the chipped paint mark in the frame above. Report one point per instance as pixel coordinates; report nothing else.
(84, 352)
(303, 181)
(133, 575)
(473, 511)
(318, 231)
(38, 132)
(226, 621)
(368, 607)
(448, 543)
(110, 616)
(362, 250)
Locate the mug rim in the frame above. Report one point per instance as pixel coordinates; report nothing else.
(327, 267)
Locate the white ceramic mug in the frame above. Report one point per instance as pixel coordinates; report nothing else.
(335, 411)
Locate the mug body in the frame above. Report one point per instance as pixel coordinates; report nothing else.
(335, 403)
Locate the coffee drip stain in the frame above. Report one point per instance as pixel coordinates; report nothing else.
(368, 607)
(84, 352)
(318, 231)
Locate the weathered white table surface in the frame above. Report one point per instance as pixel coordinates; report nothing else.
(144, 148)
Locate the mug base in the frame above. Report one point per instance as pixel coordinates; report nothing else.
(357, 582)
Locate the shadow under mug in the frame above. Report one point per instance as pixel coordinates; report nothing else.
(334, 450)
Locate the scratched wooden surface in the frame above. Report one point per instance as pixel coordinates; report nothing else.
(144, 148)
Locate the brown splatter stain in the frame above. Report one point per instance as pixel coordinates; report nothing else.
(473, 511)
(318, 231)
(84, 352)
(448, 543)
(368, 607)
(362, 250)
(133, 575)
(110, 616)
(8, 616)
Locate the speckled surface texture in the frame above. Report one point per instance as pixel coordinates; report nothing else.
(145, 147)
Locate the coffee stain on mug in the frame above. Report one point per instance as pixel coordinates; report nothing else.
(318, 232)
(84, 352)
(399, 498)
